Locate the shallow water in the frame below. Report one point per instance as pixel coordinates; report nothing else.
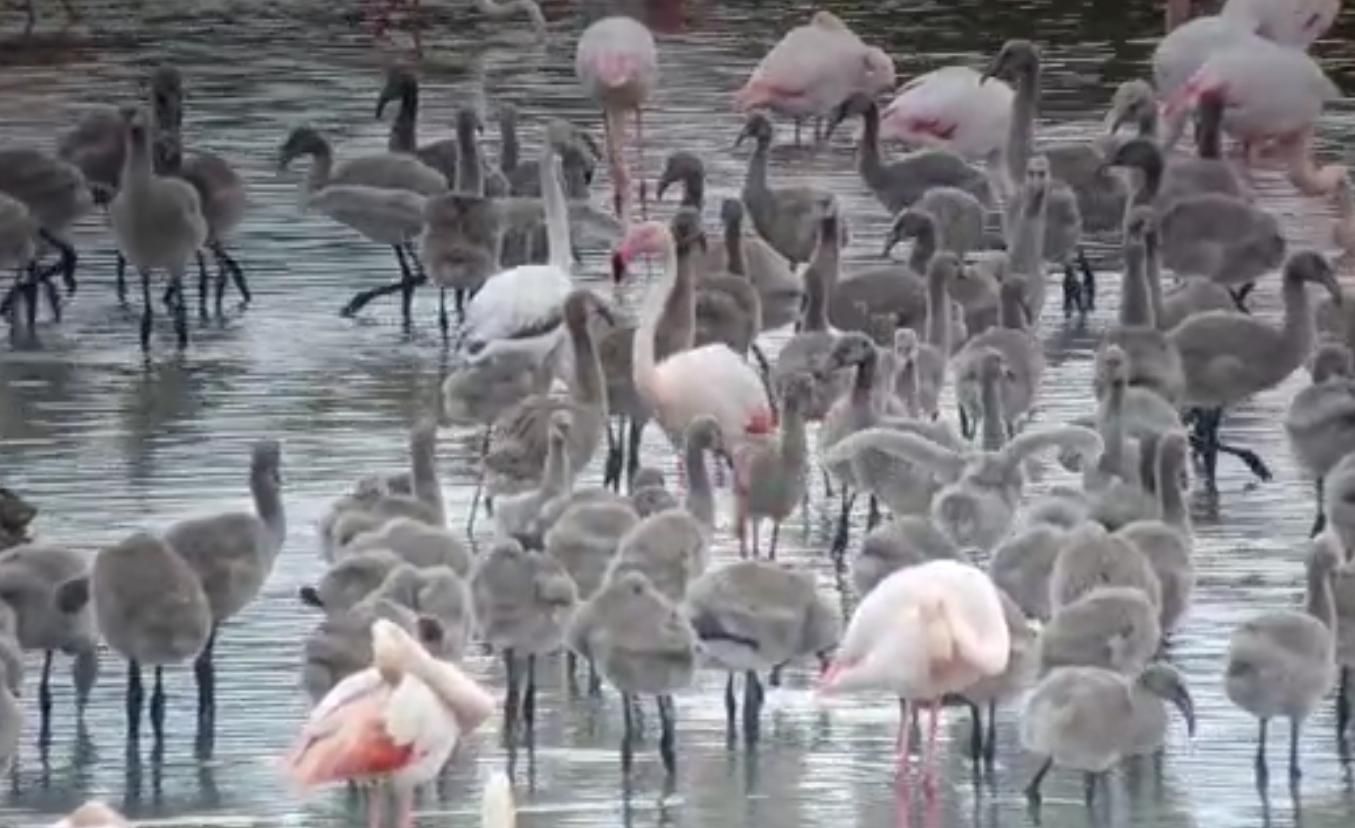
(105, 443)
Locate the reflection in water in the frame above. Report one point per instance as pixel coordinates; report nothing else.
(104, 442)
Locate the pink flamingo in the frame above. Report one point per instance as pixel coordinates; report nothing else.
(710, 380)
(93, 814)
(618, 66)
(952, 108)
(814, 68)
(398, 720)
(924, 632)
(1295, 23)
(1272, 93)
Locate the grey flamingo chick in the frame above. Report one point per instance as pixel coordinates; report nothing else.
(415, 542)
(754, 616)
(152, 611)
(1320, 422)
(1339, 495)
(514, 513)
(402, 86)
(1282, 662)
(522, 601)
(1091, 558)
(1089, 718)
(158, 223)
(233, 554)
(1167, 541)
(1152, 361)
(1022, 659)
(56, 194)
(48, 589)
(807, 351)
(1228, 357)
(1111, 627)
(902, 182)
(642, 644)
(907, 540)
(578, 152)
(770, 474)
(786, 217)
(221, 190)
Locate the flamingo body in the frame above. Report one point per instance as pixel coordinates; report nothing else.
(952, 108)
(1183, 51)
(1295, 23)
(617, 62)
(710, 380)
(522, 303)
(814, 68)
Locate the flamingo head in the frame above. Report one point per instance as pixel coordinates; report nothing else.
(681, 166)
(905, 345)
(1164, 681)
(1311, 266)
(302, 141)
(1134, 103)
(645, 239)
(1141, 221)
(856, 104)
(394, 651)
(910, 223)
(757, 127)
(877, 70)
(1016, 60)
(468, 122)
(400, 84)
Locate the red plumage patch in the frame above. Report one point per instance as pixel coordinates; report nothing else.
(934, 127)
(372, 755)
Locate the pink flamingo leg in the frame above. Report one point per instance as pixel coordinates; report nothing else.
(404, 805)
(640, 153)
(929, 784)
(903, 789)
(375, 801)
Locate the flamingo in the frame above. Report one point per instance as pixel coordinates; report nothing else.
(709, 380)
(1272, 92)
(924, 632)
(1295, 23)
(618, 66)
(951, 108)
(398, 720)
(814, 68)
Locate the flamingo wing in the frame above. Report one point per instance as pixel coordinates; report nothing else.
(346, 735)
(520, 302)
(951, 107)
(713, 380)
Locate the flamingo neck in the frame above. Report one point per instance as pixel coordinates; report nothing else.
(423, 470)
(589, 387)
(557, 212)
(937, 326)
(794, 445)
(700, 500)
(994, 422)
(167, 140)
(870, 164)
(1319, 599)
(1306, 174)
(263, 487)
(616, 161)
(755, 181)
(322, 166)
(644, 367)
(905, 385)
(1021, 132)
(1027, 244)
(1152, 273)
(864, 382)
(734, 247)
(555, 479)
(1297, 331)
(819, 277)
(404, 129)
(1112, 430)
(1150, 179)
(469, 174)
(469, 703)
(136, 163)
(693, 189)
(1136, 306)
(925, 242)
(1169, 493)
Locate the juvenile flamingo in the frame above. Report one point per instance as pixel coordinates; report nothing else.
(618, 66)
(924, 632)
(398, 720)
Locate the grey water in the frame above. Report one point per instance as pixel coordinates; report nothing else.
(105, 442)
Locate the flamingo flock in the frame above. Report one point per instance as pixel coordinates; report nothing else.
(973, 586)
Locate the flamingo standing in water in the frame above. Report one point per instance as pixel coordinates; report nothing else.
(398, 720)
(814, 68)
(1272, 93)
(952, 108)
(710, 380)
(618, 66)
(924, 632)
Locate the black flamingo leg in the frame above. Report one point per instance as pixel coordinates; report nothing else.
(135, 695)
(668, 734)
(158, 707)
(227, 263)
(203, 283)
(147, 310)
(205, 672)
(363, 298)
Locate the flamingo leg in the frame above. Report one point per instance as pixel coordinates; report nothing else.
(45, 692)
(1343, 704)
(158, 706)
(627, 733)
(731, 707)
(640, 157)
(511, 699)
(1033, 789)
(479, 484)
(929, 784)
(901, 782)
(752, 706)
(776, 533)
(990, 741)
(374, 807)
(134, 701)
(404, 807)
(668, 734)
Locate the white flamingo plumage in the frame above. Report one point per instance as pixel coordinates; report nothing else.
(618, 65)
(712, 379)
(1295, 23)
(952, 108)
(924, 632)
(398, 720)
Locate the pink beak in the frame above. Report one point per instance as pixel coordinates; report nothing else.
(828, 681)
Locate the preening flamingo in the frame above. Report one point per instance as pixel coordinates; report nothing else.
(814, 68)
(711, 379)
(1294, 23)
(952, 108)
(398, 720)
(1271, 93)
(924, 632)
(618, 65)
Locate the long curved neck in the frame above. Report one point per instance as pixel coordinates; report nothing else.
(404, 129)
(864, 381)
(794, 446)
(755, 180)
(938, 315)
(1169, 497)
(470, 177)
(589, 387)
(1297, 331)
(1112, 430)
(1152, 275)
(557, 212)
(322, 165)
(676, 330)
(555, 479)
(870, 164)
(268, 504)
(925, 242)
(643, 347)
(1319, 603)
(994, 422)
(167, 144)
(1136, 307)
(508, 144)
(136, 163)
(1150, 180)
(1027, 242)
(820, 277)
(694, 189)
(1011, 312)
(424, 471)
(700, 500)
(469, 702)
(734, 247)
(1021, 132)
